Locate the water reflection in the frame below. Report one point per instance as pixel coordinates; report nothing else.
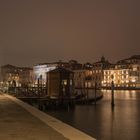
(120, 94)
(105, 123)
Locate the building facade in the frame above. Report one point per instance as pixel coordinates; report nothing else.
(98, 71)
(40, 71)
(125, 73)
(91, 75)
(12, 76)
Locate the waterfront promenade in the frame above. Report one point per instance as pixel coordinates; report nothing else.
(20, 121)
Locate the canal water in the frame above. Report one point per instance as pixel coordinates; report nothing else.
(104, 122)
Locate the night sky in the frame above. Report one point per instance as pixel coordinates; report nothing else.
(34, 31)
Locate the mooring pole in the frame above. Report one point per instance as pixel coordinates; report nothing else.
(112, 93)
(95, 91)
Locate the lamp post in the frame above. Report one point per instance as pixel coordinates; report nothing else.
(112, 92)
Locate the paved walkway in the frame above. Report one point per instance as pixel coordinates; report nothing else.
(20, 121)
(18, 124)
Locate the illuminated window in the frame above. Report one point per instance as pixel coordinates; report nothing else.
(64, 82)
(71, 82)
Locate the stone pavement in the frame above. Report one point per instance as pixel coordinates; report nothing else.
(18, 124)
(21, 121)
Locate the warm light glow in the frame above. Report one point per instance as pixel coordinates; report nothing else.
(133, 80)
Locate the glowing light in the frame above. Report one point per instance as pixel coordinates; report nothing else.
(41, 70)
(133, 80)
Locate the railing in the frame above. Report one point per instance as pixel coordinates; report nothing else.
(28, 91)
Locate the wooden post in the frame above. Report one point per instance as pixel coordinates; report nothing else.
(112, 92)
(87, 93)
(46, 83)
(95, 91)
(38, 85)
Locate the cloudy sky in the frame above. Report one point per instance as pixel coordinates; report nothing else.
(33, 31)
